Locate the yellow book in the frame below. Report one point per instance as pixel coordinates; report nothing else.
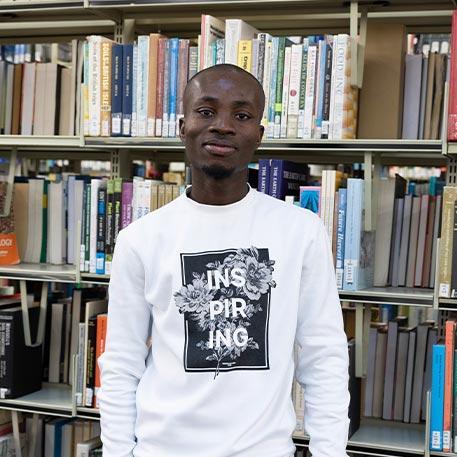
(106, 55)
(245, 54)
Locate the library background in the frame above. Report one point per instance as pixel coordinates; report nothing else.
(360, 127)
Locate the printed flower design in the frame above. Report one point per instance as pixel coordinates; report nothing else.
(195, 297)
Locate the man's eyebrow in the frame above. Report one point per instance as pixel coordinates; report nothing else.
(206, 99)
(239, 103)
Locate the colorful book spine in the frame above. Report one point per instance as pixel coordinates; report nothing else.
(327, 88)
(302, 96)
(437, 399)
(85, 90)
(166, 91)
(448, 384)
(94, 85)
(294, 90)
(272, 91)
(455, 402)
(182, 78)
(174, 57)
(162, 53)
(279, 84)
(87, 236)
(320, 83)
(152, 82)
(116, 90)
(101, 230)
(342, 203)
(127, 89)
(245, 55)
(105, 105)
(126, 203)
(109, 225)
(83, 229)
(117, 207)
(266, 82)
(308, 120)
(285, 92)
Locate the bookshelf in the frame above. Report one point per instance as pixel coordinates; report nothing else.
(116, 18)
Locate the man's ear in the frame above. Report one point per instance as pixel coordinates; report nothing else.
(182, 124)
(261, 131)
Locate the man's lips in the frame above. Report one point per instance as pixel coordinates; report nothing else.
(217, 148)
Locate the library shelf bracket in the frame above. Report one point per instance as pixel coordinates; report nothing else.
(128, 31)
(10, 182)
(358, 34)
(371, 180)
(25, 314)
(119, 164)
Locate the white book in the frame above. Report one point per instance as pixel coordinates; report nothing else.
(137, 185)
(55, 345)
(83, 449)
(340, 50)
(310, 89)
(142, 84)
(94, 85)
(266, 79)
(294, 91)
(80, 364)
(285, 91)
(134, 124)
(94, 184)
(235, 31)
(255, 57)
(146, 197)
(28, 98)
(303, 79)
(212, 29)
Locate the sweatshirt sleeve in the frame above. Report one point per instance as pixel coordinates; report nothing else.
(322, 364)
(124, 360)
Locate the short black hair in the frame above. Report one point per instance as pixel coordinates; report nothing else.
(225, 68)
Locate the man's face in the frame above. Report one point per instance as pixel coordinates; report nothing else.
(221, 127)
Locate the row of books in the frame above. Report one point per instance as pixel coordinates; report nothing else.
(443, 412)
(47, 215)
(136, 89)
(399, 370)
(41, 98)
(426, 71)
(35, 52)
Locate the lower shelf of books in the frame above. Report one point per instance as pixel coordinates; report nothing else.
(53, 399)
(39, 272)
(385, 435)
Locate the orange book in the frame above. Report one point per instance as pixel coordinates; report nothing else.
(102, 320)
(448, 385)
(152, 81)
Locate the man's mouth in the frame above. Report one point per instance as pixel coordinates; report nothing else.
(219, 148)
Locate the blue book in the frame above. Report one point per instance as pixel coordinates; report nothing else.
(437, 399)
(101, 230)
(127, 77)
(264, 176)
(341, 226)
(116, 90)
(310, 197)
(320, 83)
(174, 53)
(272, 95)
(134, 125)
(286, 178)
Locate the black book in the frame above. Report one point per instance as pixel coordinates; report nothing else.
(101, 229)
(354, 391)
(21, 366)
(454, 255)
(91, 344)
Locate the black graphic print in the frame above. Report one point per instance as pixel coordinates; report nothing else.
(225, 300)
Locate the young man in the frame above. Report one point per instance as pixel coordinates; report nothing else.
(225, 279)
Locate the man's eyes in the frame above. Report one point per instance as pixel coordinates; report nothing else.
(207, 113)
(243, 116)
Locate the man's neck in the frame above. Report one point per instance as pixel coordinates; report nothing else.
(209, 191)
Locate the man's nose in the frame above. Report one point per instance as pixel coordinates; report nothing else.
(223, 124)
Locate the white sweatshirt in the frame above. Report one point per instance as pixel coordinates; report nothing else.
(223, 291)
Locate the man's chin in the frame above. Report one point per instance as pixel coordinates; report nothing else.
(217, 172)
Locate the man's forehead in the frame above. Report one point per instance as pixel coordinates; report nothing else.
(223, 86)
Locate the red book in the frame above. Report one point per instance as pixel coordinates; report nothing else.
(99, 350)
(452, 108)
(448, 385)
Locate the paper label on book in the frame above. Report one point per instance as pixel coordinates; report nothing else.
(172, 126)
(126, 127)
(151, 127)
(107, 267)
(141, 127)
(116, 125)
(4, 392)
(105, 128)
(436, 439)
(82, 255)
(89, 396)
(270, 130)
(225, 314)
(349, 266)
(339, 278)
(446, 440)
(158, 127)
(444, 290)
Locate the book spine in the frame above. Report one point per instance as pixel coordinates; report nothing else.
(82, 250)
(105, 105)
(255, 57)
(446, 244)
(276, 169)
(437, 399)
(261, 56)
(266, 82)
(232, 38)
(93, 224)
(174, 55)
(340, 66)
(134, 122)
(160, 84)
(285, 92)
(264, 176)
(6, 356)
(452, 107)
(455, 402)
(94, 86)
(152, 83)
(90, 375)
(109, 236)
(142, 85)
(302, 96)
(272, 91)
(342, 203)
(182, 79)
(279, 84)
(166, 91)
(99, 350)
(127, 195)
(448, 384)
(245, 55)
(116, 90)
(294, 91)
(193, 61)
(454, 256)
(310, 90)
(327, 88)
(127, 75)
(87, 232)
(101, 230)
(320, 75)
(117, 208)
(85, 89)
(220, 51)
(80, 365)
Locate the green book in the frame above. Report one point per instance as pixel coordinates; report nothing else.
(279, 83)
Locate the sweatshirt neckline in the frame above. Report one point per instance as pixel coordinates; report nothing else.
(244, 202)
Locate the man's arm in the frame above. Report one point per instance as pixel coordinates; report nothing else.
(123, 362)
(322, 367)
